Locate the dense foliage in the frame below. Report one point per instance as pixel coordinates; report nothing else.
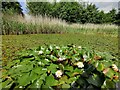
(73, 12)
(11, 8)
(56, 67)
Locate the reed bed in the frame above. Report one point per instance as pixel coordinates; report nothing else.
(16, 24)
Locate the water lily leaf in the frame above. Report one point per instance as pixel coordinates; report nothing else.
(107, 64)
(109, 84)
(43, 76)
(82, 82)
(6, 83)
(38, 70)
(36, 84)
(65, 86)
(100, 67)
(24, 79)
(44, 62)
(79, 71)
(50, 81)
(52, 68)
(27, 68)
(69, 73)
(53, 58)
(70, 80)
(61, 67)
(63, 78)
(33, 76)
(47, 52)
(95, 80)
(110, 73)
(68, 68)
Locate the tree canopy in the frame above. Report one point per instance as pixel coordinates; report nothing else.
(11, 7)
(73, 12)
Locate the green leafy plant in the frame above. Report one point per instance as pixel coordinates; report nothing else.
(62, 67)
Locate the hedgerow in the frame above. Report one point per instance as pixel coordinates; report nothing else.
(55, 67)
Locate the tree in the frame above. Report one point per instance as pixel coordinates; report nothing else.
(101, 17)
(91, 12)
(72, 12)
(117, 19)
(39, 8)
(111, 15)
(11, 7)
(68, 11)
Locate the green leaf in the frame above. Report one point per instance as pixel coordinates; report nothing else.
(65, 86)
(6, 83)
(82, 82)
(43, 76)
(95, 80)
(100, 67)
(69, 73)
(68, 68)
(24, 79)
(61, 67)
(50, 81)
(63, 79)
(80, 71)
(107, 64)
(36, 84)
(47, 52)
(110, 73)
(109, 84)
(70, 80)
(38, 70)
(52, 68)
(33, 76)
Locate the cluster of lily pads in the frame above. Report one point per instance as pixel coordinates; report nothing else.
(56, 67)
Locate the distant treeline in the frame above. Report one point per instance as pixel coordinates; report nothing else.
(74, 12)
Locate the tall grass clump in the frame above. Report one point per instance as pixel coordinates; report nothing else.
(16, 24)
(32, 25)
(95, 28)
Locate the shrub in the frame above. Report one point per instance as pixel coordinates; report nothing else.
(56, 67)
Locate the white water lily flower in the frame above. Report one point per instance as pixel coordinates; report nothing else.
(115, 68)
(74, 46)
(80, 64)
(57, 47)
(60, 51)
(20, 87)
(39, 63)
(40, 52)
(79, 47)
(46, 60)
(85, 57)
(61, 58)
(58, 73)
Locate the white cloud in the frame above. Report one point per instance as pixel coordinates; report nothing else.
(106, 6)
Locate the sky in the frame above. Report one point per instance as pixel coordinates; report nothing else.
(104, 5)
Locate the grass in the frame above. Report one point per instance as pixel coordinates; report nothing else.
(37, 25)
(14, 43)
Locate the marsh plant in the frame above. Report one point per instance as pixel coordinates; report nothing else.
(56, 67)
(17, 24)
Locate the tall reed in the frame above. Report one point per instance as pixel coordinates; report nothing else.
(16, 24)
